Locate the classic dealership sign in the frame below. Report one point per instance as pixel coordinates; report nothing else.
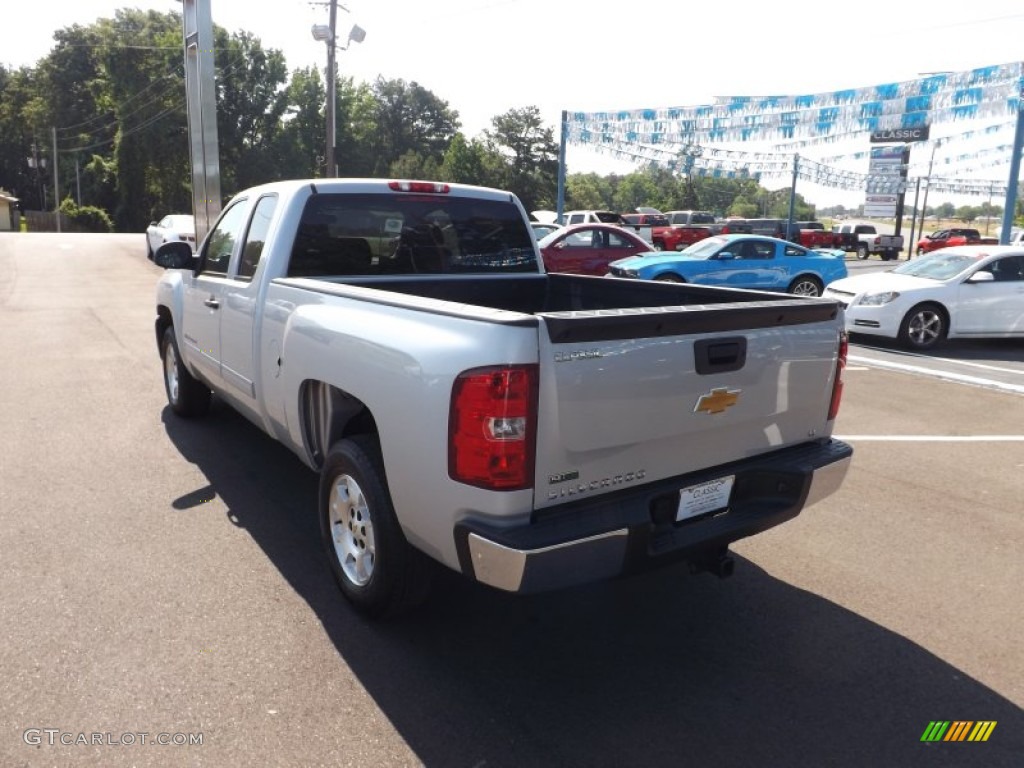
(900, 135)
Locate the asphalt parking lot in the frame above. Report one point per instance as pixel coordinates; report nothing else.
(165, 578)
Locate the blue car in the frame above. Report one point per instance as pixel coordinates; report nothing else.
(740, 261)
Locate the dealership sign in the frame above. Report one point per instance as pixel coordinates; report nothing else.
(899, 135)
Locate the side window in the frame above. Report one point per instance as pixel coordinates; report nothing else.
(1008, 268)
(761, 249)
(222, 238)
(792, 250)
(257, 237)
(617, 241)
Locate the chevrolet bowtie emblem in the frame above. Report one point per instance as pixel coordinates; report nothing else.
(717, 400)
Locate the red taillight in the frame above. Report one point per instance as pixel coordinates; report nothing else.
(492, 426)
(837, 385)
(430, 187)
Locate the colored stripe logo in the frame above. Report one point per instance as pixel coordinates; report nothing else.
(958, 730)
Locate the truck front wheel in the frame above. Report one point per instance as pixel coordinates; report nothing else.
(377, 570)
(862, 251)
(186, 395)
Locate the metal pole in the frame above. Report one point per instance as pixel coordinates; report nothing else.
(927, 185)
(560, 205)
(792, 197)
(913, 220)
(56, 179)
(1011, 186)
(332, 169)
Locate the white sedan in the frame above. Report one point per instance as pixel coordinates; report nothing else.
(966, 292)
(173, 227)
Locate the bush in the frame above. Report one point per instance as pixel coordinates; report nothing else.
(85, 218)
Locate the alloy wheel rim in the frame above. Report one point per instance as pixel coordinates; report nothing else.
(171, 372)
(925, 328)
(352, 530)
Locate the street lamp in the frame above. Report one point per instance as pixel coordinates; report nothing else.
(38, 164)
(325, 33)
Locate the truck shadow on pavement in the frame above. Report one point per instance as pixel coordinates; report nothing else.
(663, 669)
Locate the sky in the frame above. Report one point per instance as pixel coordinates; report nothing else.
(485, 57)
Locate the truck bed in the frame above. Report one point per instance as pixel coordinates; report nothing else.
(562, 297)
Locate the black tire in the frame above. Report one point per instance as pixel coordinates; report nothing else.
(806, 285)
(669, 277)
(658, 245)
(186, 395)
(862, 252)
(924, 327)
(377, 570)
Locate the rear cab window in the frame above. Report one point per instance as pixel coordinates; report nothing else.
(401, 234)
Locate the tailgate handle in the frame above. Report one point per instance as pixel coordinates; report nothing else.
(720, 355)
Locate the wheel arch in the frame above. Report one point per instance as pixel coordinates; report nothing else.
(163, 321)
(328, 414)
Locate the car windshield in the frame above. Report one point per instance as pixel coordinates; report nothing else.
(704, 249)
(940, 266)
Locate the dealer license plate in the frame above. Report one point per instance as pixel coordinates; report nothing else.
(695, 500)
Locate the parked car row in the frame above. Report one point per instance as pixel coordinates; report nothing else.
(736, 261)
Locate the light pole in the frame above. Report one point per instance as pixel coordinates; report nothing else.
(326, 33)
(927, 186)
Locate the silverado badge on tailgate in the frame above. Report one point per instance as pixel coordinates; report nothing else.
(717, 400)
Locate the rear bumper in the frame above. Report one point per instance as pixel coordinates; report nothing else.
(635, 530)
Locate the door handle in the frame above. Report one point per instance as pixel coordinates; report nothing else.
(212, 303)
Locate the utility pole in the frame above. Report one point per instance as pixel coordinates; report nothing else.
(332, 168)
(56, 179)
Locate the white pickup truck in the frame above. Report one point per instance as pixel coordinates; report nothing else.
(529, 430)
(866, 241)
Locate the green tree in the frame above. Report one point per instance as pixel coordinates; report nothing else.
(636, 189)
(251, 101)
(410, 118)
(531, 156)
(587, 191)
(967, 213)
(300, 144)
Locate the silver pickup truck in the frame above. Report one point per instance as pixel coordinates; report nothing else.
(529, 430)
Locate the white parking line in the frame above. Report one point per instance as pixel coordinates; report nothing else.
(934, 438)
(945, 375)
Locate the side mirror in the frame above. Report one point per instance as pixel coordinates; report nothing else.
(725, 255)
(981, 277)
(174, 255)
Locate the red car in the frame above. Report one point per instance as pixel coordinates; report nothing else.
(588, 249)
(946, 238)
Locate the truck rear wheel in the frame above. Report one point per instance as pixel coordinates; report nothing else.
(862, 251)
(186, 395)
(377, 570)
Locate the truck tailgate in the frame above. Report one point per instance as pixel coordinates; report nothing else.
(633, 396)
